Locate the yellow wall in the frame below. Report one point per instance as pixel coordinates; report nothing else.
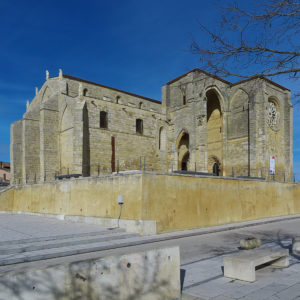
(181, 202)
(176, 202)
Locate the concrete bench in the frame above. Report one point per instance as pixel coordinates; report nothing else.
(296, 245)
(242, 265)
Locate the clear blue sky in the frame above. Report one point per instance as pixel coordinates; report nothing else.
(134, 45)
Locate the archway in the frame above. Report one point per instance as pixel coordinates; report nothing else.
(214, 166)
(214, 129)
(185, 161)
(183, 151)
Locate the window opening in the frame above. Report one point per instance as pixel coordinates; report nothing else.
(103, 119)
(139, 126)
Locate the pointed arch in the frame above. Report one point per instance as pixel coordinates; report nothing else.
(216, 90)
(238, 120)
(214, 125)
(46, 94)
(183, 151)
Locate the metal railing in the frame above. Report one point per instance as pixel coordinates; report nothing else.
(143, 164)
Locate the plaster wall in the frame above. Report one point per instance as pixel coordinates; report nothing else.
(175, 202)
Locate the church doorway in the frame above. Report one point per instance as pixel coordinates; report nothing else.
(183, 151)
(216, 169)
(184, 162)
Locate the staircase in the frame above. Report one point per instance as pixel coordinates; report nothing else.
(40, 248)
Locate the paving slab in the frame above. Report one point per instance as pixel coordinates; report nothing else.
(202, 251)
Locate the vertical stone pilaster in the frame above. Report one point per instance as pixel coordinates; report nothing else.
(49, 122)
(31, 150)
(16, 150)
(78, 138)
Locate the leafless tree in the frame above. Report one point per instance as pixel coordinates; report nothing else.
(261, 41)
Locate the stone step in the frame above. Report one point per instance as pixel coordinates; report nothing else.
(105, 231)
(49, 253)
(71, 241)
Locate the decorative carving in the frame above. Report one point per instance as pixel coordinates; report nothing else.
(201, 119)
(273, 117)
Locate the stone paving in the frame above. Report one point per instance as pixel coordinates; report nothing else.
(204, 280)
(201, 255)
(20, 226)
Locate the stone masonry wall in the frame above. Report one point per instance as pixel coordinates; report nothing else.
(203, 121)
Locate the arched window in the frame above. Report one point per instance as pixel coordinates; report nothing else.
(117, 99)
(85, 92)
(103, 119)
(139, 126)
(273, 114)
(140, 104)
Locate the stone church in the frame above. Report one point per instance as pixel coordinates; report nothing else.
(203, 123)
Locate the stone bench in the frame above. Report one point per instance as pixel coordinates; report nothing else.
(242, 265)
(296, 245)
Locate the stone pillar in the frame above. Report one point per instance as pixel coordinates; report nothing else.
(16, 152)
(31, 150)
(49, 158)
(78, 136)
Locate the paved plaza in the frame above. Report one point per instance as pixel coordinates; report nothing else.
(201, 250)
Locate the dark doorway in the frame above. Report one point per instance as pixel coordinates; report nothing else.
(216, 169)
(184, 162)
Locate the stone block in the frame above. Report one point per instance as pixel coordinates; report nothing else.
(296, 245)
(242, 265)
(152, 274)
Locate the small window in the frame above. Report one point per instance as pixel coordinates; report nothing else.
(140, 104)
(184, 100)
(117, 99)
(139, 126)
(103, 119)
(85, 92)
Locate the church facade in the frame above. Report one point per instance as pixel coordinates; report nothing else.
(203, 124)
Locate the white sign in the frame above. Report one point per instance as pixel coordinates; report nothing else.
(272, 165)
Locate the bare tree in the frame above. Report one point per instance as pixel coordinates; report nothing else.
(262, 41)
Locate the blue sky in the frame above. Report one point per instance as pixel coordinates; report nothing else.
(134, 45)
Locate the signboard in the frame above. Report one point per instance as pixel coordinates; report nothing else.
(272, 165)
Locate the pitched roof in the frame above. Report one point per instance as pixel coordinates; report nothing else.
(111, 88)
(227, 82)
(260, 77)
(201, 71)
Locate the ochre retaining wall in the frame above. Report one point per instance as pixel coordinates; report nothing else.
(176, 202)
(181, 202)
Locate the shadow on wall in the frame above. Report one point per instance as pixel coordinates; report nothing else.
(131, 277)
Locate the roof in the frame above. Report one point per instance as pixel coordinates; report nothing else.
(4, 165)
(227, 82)
(111, 88)
(201, 71)
(261, 77)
